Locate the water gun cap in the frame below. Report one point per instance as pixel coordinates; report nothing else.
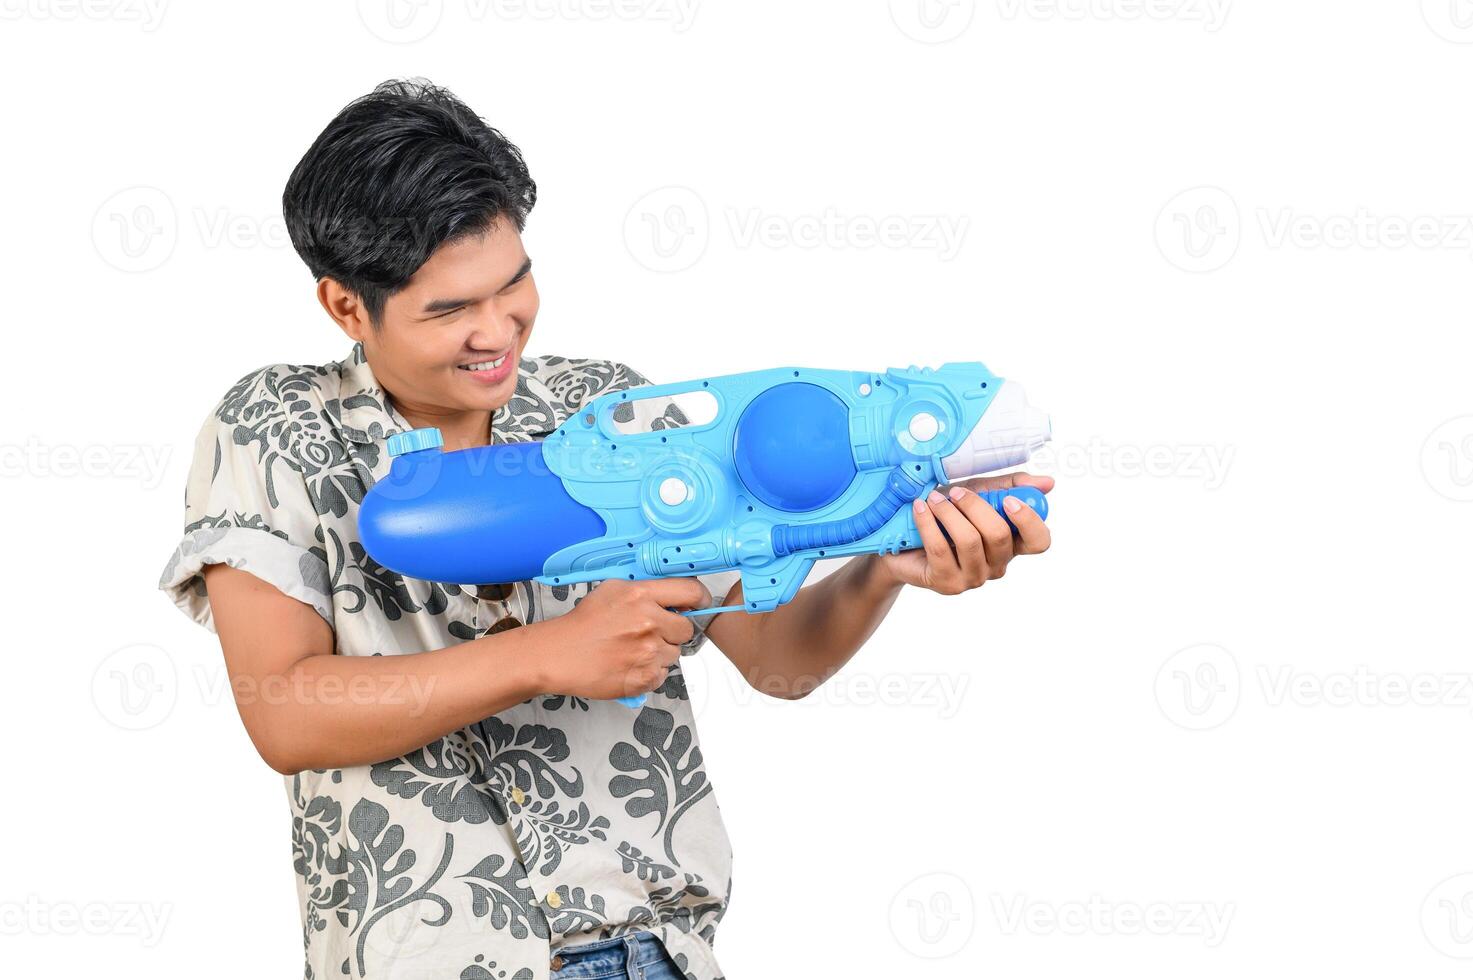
(414, 440)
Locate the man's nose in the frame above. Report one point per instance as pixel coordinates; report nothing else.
(493, 329)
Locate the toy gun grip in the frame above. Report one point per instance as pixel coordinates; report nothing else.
(1031, 496)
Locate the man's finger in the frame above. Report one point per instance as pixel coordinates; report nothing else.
(1007, 481)
(680, 592)
(938, 551)
(675, 628)
(1033, 533)
(965, 538)
(997, 536)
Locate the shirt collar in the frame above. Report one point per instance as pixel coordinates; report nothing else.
(366, 413)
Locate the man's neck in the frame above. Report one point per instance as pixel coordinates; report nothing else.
(462, 430)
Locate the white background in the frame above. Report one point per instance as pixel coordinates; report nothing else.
(1227, 244)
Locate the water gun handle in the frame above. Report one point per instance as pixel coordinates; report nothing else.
(1031, 496)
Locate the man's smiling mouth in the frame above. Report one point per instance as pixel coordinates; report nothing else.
(485, 365)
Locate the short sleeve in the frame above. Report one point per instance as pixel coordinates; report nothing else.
(667, 414)
(246, 506)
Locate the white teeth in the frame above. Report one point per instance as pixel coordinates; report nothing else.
(485, 365)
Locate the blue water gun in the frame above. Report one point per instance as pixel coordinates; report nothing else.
(795, 465)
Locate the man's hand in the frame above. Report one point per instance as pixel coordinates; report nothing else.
(621, 640)
(981, 542)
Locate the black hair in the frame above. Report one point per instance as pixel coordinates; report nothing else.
(395, 175)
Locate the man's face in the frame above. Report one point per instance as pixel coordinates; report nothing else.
(449, 341)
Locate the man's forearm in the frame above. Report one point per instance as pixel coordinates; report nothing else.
(793, 649)
(350, 711)
(327, 711)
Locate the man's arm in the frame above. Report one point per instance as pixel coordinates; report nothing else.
(790, 651)
(793, 649)
(306, 707)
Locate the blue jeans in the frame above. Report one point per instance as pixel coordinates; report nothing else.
(637, 956)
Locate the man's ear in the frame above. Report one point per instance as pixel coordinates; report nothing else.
(345, 308)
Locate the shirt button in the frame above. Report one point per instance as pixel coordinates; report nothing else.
(517, 796)
(553, 901)
(557, 963)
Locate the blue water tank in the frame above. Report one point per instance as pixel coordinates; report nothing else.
(436, 517)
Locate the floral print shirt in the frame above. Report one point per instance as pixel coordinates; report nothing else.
(558, 821)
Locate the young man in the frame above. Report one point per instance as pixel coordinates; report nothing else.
(467, 802)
